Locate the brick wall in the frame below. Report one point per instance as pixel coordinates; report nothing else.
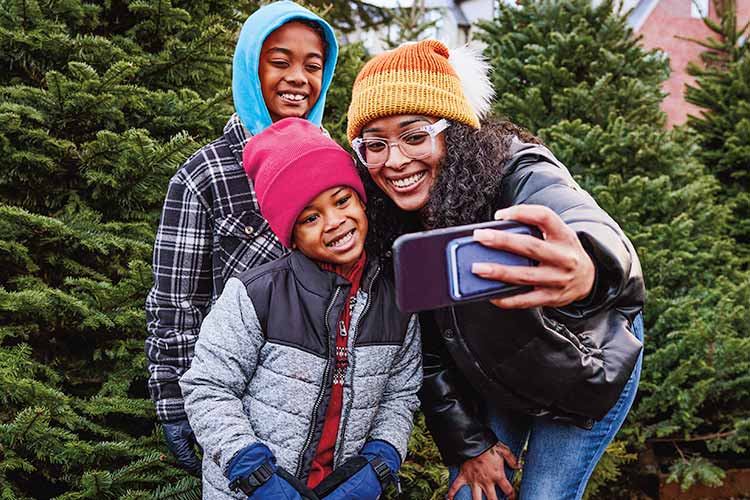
(669, 19)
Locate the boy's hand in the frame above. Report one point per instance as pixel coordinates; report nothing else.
(181, 442)
(362, 477)
(254, 472)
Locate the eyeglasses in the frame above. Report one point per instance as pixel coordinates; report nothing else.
(415, 144)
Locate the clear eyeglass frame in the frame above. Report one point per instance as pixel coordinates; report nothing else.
(432, 129)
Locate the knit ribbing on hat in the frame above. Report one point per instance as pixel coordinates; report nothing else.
(412, 79)
(290, 163)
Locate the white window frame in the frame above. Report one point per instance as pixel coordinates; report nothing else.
(699, 8)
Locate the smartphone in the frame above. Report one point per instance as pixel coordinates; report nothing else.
(424, 264)
(461, 253)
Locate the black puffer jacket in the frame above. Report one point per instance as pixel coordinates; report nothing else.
(569, 363)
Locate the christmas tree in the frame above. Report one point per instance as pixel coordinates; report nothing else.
(101, 103)
(722, 89)
(575, 74)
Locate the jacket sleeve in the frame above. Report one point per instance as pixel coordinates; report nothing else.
(181, 295)
(395, 415)
(226, 356)
(449, 406)
(538, 181)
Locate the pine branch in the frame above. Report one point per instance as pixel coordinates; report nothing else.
(694, 439)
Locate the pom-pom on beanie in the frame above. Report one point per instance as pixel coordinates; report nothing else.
(290, 163)
(421, 78)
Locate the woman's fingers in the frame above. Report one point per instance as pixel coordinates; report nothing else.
(551, 225)
(457, 484)
(489, 491)
(542, 297)
(520, 244)
(508, 456)
(523, 275)
(509, 491)
(565, 272)
(476, 491)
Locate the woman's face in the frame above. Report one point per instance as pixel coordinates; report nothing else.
(406, 181)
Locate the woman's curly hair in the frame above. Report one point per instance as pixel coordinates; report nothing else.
(465, 190)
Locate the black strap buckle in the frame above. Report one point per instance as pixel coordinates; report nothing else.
(253, 481)
(382, 471)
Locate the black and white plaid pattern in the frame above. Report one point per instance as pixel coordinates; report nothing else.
(210, 230)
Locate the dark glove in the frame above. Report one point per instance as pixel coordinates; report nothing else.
(181, 442)
(363, 477)
(254, 472)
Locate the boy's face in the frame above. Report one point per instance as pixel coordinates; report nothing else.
(332, 228)
(291, 70)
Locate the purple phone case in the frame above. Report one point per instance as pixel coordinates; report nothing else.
(420, 266)
(461, 253)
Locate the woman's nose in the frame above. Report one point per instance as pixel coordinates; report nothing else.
(396, 159)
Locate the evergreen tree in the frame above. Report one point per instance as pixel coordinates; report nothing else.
(99, 104)
(349, 15)
(722, 89)
(410, 23)
(575, 74)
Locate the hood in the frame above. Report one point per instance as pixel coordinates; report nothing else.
(246, 93)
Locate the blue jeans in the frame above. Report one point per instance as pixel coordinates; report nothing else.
(559, 457)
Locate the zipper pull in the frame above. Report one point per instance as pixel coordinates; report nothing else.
(342, 328)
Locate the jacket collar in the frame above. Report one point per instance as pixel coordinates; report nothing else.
(236, 136)
(322, 283)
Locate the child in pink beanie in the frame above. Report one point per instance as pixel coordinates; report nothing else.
(305, 375)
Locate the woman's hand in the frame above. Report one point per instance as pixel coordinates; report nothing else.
(565, 272)
(482, 473)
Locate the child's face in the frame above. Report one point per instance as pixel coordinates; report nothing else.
(332, 228)
(291, 70)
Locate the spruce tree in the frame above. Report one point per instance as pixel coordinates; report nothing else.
(722, 89)
(575, 74)
(99, 104)
(409, 23)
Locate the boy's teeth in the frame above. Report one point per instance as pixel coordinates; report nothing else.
(342, 240)
(293, 97)
(402, 183)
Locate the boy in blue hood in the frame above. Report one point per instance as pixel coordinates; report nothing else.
(211, 228)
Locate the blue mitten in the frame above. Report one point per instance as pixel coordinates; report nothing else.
(364, 476)
(253, 471)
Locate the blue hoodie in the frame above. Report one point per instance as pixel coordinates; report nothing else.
(246, 92)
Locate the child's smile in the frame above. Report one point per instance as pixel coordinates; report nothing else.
(291, 70)
(332, 227)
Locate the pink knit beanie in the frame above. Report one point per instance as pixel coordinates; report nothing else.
(290, 163)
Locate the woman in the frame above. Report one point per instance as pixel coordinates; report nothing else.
(554, 369)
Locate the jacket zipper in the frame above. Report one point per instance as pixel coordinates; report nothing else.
(323, 386)
(351, 364)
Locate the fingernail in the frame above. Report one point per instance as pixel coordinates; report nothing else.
(480, 268)
(501, 214)
(482, 234)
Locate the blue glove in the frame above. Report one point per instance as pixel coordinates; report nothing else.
(253, 470)
(181, 442)
(364, 476)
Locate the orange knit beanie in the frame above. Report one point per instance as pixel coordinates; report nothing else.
(415, 78)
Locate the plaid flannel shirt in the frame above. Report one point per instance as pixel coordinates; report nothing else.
(210, 230)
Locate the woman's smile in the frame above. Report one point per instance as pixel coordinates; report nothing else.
(407, 183)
